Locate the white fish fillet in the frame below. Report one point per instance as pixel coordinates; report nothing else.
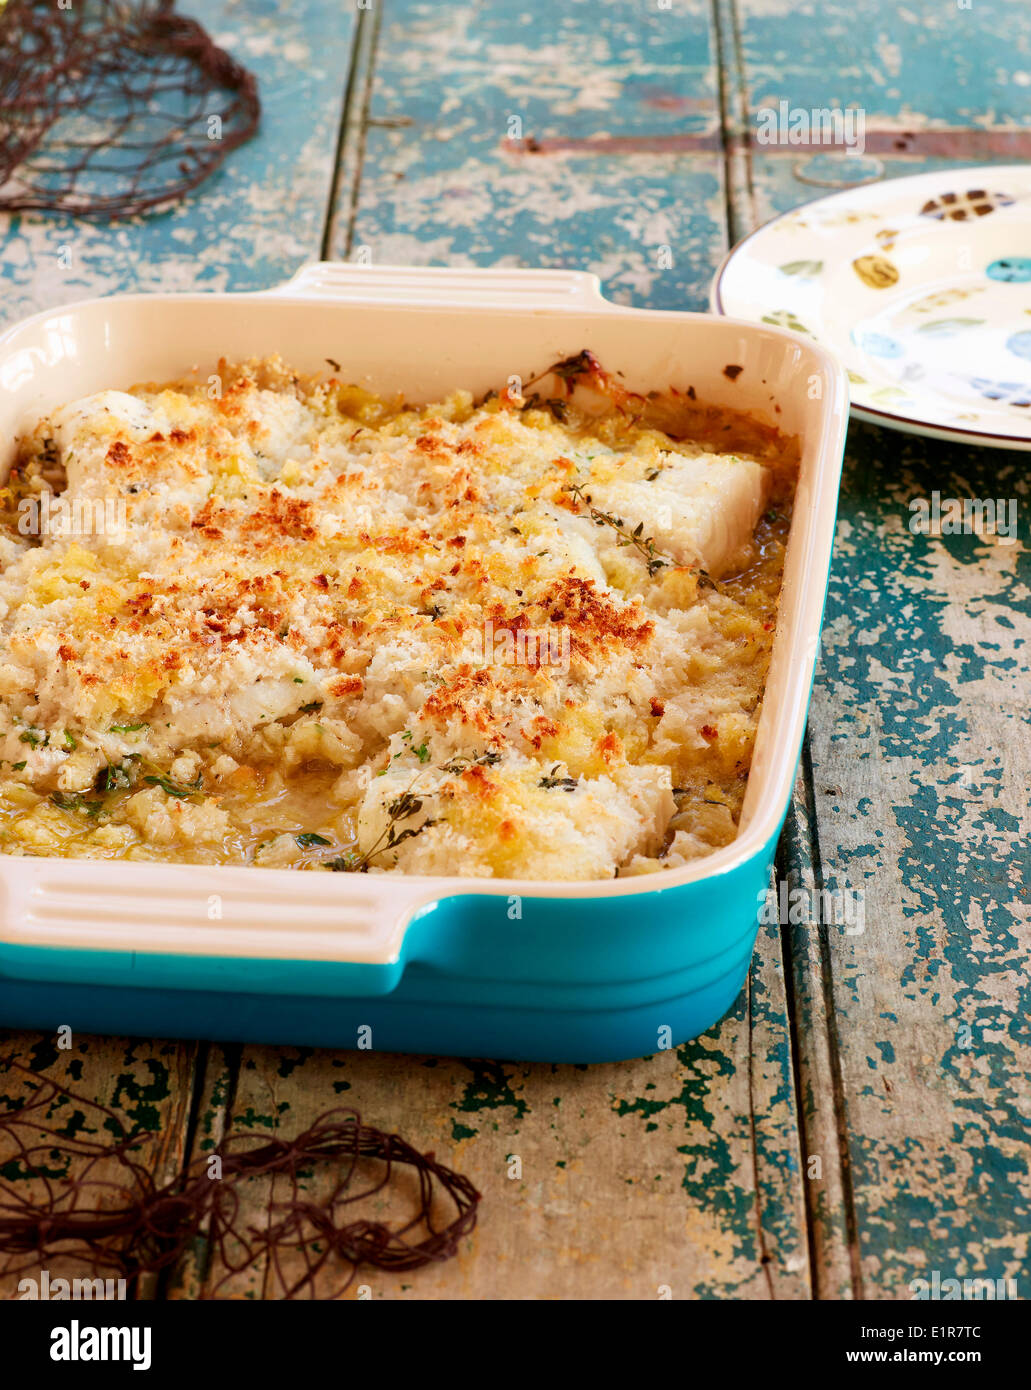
(702, 511)
(82, 445)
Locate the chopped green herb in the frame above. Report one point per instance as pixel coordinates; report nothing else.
(310, 838)
(349, 863)
(76, 801)
(128, 728)
(116, 776)
(18, 766)
(32, 736)
(171, 788)
(69, 741)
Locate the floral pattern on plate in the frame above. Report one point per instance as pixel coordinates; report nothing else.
(960, 207)
(911, 282)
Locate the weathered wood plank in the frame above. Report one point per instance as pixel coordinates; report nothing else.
(827, 1176)
(213, 1098)
(920, 751)
(612, 1181)
(679, 1171)
(443, 183)
(247, 228)
(922, 760)
(146, 1084)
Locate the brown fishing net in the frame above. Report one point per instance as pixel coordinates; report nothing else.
(94, 1202)
(108, 108)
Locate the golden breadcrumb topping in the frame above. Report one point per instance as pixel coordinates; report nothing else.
(258, 618)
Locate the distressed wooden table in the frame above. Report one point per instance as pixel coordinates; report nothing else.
(859, 1118)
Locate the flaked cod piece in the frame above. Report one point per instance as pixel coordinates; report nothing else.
(701, 511)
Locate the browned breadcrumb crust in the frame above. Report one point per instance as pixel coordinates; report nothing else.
(293, 531)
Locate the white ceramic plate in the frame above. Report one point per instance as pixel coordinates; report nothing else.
(922, 288)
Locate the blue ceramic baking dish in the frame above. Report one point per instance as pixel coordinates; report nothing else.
(578, 972)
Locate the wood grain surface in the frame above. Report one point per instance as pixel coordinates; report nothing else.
(859, 1119)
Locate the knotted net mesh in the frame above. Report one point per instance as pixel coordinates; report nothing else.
(109, 108)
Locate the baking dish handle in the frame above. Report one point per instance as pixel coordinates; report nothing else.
(207, 926)
(447, 287)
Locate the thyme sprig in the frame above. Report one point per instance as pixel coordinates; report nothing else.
(401, 808)
(461, 761)
(643, 544)
(654, 559)
(568, 784)
(569, 369)
(558, 408)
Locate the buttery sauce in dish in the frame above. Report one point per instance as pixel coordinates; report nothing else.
(258, 618)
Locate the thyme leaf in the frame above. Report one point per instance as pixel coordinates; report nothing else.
(568, 784)
(116, 776)
(76, 801)
(569, 369)
(459, 763)
(582, 364)
(175, 789)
